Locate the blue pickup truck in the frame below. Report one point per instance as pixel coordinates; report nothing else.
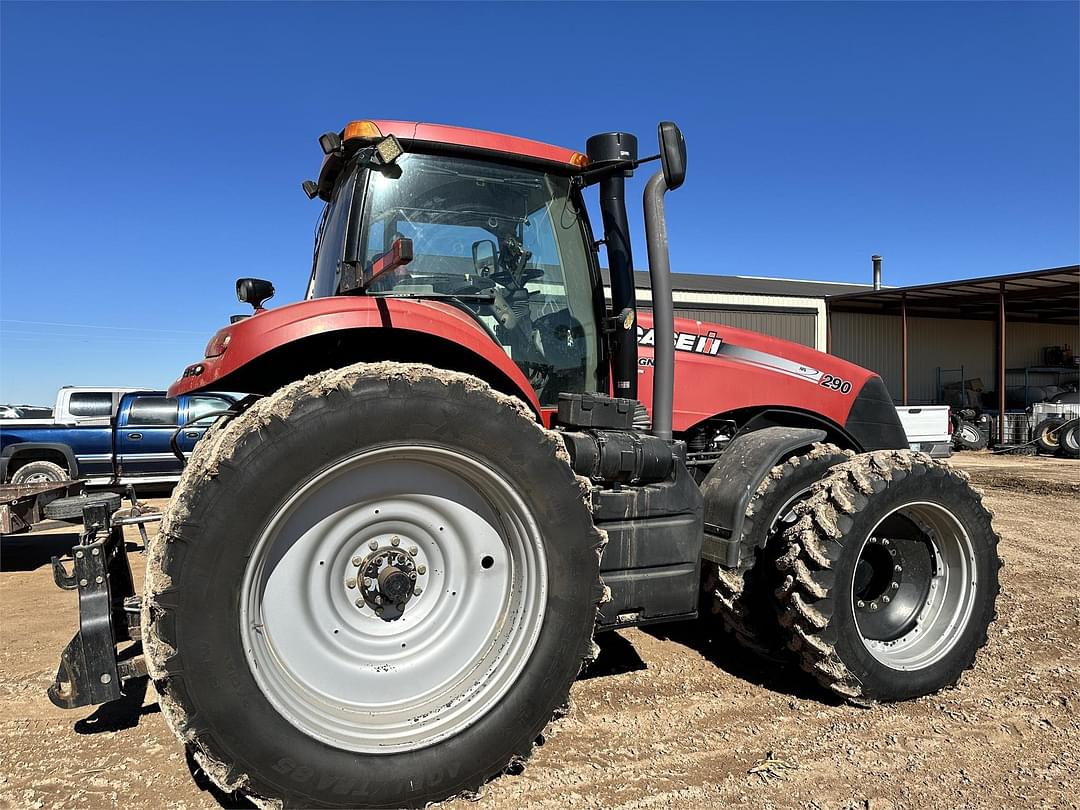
(107, 436)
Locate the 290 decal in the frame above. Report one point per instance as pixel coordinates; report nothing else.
(835, 383)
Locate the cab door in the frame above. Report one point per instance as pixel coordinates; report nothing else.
(143, 433)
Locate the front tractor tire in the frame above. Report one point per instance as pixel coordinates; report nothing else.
(891, 577)
(374, 588)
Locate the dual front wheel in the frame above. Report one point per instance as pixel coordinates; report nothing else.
(882, 576)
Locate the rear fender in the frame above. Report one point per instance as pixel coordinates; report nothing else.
(727, 489)
(277, 346)
(13, 452)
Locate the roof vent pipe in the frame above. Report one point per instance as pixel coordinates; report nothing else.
(877, 271)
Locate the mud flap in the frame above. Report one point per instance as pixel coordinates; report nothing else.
(89, 670)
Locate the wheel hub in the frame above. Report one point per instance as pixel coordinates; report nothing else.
(386, 579)
(892, 580)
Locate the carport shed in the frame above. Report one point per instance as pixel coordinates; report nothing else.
(996, 328)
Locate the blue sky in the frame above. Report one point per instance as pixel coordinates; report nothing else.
(152, 153)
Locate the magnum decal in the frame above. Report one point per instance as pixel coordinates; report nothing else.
(711, 344)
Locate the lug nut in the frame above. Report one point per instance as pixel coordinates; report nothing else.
(895, 586)
(350, 583)
(373, 545)
(873, 605)
(885, 542)
(421, 569)
(413, 550)
(897, 568)
(418, 591)
(412, 575)
(892, 551)
(367, 582)
(359, 603)
(395, 541)
(861, 603)
(378, 611)
(356, 562)
(378, 600)
(886, 599)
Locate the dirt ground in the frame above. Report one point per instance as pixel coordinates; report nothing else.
(665, 718)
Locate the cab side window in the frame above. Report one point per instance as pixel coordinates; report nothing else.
(152, 412)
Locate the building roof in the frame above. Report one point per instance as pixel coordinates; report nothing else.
(752, 285)
(1049, 296)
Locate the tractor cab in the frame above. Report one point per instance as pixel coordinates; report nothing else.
(506, 242)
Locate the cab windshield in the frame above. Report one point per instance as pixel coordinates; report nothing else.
(506, 244)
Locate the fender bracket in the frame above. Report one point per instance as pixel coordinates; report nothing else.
(734, 478)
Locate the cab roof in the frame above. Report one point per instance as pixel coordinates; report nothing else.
(446, 138)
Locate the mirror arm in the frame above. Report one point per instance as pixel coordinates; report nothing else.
(590, 176)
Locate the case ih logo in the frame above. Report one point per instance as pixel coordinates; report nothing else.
(685, 341)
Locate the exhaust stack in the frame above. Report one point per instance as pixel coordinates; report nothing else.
(877, 271)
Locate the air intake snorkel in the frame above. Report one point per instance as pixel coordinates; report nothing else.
(609, 149)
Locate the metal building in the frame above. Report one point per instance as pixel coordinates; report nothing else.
(785, 308)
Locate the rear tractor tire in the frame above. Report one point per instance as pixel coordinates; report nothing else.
(742, 597)
(891, 577)
(374, 588)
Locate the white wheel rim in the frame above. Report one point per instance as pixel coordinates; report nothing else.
(404, 679)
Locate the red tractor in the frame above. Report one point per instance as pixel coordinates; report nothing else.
(383, 570)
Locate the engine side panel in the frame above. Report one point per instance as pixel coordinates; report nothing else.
(720, 369)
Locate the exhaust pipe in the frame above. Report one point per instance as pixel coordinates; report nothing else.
(877, 271)
(606, 148)
(663, 311)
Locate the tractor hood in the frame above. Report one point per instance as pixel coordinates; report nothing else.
(723, 370)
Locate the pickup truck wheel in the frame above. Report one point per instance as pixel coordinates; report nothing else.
(372, 589)
(891, 577)
(39, 472)
(742, 597)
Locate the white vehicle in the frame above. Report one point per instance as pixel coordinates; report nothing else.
(75, 405)
(928, 429)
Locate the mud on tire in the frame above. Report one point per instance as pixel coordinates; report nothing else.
(743, 597)
(306, 454)
(891, 577)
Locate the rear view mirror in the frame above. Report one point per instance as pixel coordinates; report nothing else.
(254, 291)
(484, 257)
(672, 154)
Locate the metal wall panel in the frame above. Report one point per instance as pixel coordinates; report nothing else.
(798, 327)
(870, 341)
(873, 341)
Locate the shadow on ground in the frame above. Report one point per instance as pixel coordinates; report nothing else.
(781, 675)
(617, 656)
(26, 552)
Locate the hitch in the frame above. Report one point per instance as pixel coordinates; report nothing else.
(90, 671)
